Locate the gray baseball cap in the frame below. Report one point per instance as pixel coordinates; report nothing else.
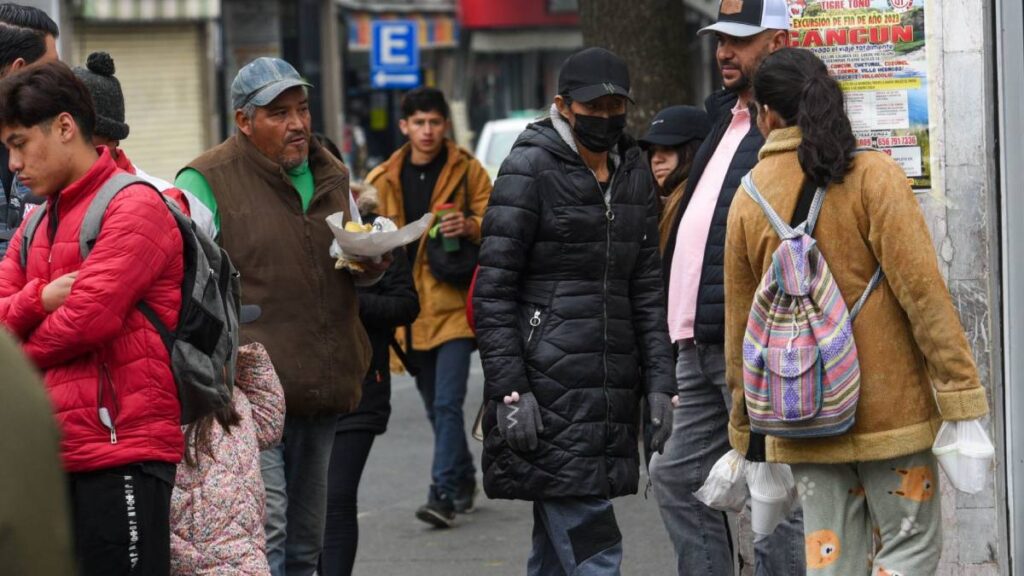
(262, 80)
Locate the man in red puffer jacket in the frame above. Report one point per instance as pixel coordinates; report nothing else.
(105, 367)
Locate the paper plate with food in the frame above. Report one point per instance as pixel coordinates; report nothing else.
(355, 242)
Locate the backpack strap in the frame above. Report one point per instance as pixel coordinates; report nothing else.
(812, 214)
(98, 208)
(91, 230)
(785, 231)
(29, 232)
(876, 279)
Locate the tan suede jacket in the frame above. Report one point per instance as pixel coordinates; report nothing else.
(442, 306)
(916, 365)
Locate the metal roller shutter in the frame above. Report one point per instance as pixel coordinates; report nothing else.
(162, 73)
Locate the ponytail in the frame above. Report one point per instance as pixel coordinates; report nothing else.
(826, 151)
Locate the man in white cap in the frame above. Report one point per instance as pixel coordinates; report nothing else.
(747, 31)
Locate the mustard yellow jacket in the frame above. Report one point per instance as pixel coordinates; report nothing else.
(442, 306)
(916, 365)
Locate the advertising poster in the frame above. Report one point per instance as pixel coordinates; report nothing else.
(876, 50)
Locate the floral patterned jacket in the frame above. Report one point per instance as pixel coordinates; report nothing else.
(217, 507)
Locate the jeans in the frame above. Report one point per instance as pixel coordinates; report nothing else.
(295, 476)
(575, 537)
(699, 438)
(444, 372)
(341, 538)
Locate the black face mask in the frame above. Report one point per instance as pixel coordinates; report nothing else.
(599, 134)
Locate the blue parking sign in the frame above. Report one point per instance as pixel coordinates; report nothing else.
(394, 54)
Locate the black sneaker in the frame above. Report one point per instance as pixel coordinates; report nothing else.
(439, 511)
(464, 497)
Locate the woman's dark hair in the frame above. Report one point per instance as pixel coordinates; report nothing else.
(197, 434)
(41, 92)
(685, 153)
(425, 99)
(796, 84)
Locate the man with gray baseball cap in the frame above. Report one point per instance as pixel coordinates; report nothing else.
(271, 187)
(747, 31)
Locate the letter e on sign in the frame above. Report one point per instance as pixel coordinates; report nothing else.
(394, 46)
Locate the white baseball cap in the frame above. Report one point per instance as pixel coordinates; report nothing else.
(742, 18)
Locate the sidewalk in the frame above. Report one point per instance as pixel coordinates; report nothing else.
(495, 538)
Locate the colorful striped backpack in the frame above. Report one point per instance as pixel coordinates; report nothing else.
(801, 376)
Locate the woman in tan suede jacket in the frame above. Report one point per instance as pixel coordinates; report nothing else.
(916, 366)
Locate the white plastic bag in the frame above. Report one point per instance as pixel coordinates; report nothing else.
(772, 494)
(965, 453)
(726, 486)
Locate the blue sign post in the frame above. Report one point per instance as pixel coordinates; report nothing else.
(394, 54)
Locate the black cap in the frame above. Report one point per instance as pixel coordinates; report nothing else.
(249, 313)
(592, 73)
(677, 125)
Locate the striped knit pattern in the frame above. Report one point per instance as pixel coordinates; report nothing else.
(800, 371)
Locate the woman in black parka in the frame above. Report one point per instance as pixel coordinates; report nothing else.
(570, 320)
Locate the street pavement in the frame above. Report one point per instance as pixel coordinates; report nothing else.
(492, 540)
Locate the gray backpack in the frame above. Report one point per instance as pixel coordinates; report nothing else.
(203, 346)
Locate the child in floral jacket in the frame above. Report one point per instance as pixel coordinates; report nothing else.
(218, 503)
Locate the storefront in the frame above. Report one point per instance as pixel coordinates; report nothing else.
(372, 115)
(161, 53)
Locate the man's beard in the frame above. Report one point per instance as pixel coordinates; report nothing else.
(290, 163)
(741, 85)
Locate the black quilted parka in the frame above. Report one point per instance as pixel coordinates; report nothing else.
(569, 305)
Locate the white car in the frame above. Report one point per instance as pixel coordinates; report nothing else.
(496, 140)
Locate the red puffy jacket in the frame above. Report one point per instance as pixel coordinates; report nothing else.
(97, 347)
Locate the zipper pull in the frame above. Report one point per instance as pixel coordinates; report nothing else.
(534, 322)
(379, 377)
(106, 421)
(609, 214)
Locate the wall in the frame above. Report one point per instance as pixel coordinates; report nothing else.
(963, 216)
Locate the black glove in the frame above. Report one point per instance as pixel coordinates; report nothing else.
(756, 448)
(519, 421)
(661, 419)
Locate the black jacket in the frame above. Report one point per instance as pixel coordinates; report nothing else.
(389, 303)
(591, 277)
(709, 325)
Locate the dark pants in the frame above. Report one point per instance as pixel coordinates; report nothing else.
(121, 520)
(444, 372)
(341, 537)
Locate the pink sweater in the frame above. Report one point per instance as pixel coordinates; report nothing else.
(217, 508)
(692, 239)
